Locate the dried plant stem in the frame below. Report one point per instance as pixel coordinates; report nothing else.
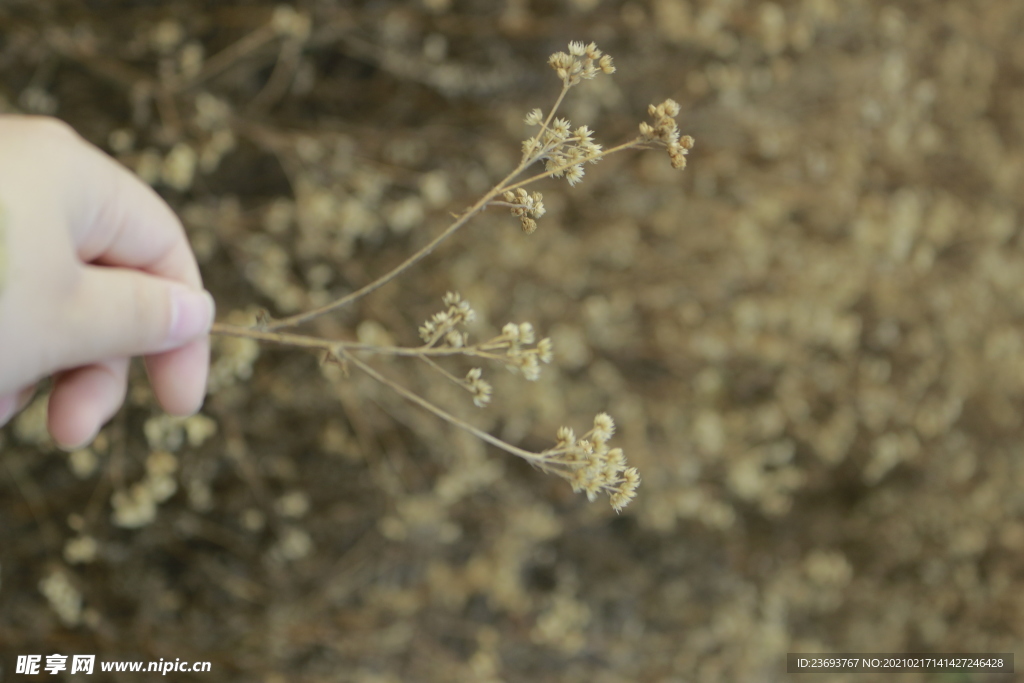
(336, 346)
(300, 318)
(486, 200)
(551, 114)
(343, 351)
(447, 375)
(536, 458)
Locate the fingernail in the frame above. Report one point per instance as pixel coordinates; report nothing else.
(192, 314)
(7, 406)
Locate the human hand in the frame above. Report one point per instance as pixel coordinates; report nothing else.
(98, 269)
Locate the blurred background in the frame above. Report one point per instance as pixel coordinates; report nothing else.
(810, 340)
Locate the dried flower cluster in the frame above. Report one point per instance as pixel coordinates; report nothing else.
(479, 387)
(665, 131)
(515, 341)
(442, 327)
(513, 347)
(591, 466)
(581, 63)
(563, 149)
(527, 206)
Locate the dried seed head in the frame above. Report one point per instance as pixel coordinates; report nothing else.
(590, 466)
(530, 368)
(545, 350)
(481, 394)
(442, 325)
(560, 128)
(604, 427)
(582, 62)
(626, 490)
(665, 132)
(574, 174)
(455, 339)
(511, 332)
(480, 388)
(526, 206)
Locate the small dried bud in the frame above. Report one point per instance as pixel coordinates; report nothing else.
(480, 388)
(455, 339)
(545, 350)
(481, 393)
(560, 61)
(604, 427)
(526, 333)
(511, 332)
(530, 368)
(530, 147)
(574, 174)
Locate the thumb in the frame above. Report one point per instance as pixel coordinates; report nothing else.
(118, 313)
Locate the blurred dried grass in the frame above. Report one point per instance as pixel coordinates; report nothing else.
(811, 342)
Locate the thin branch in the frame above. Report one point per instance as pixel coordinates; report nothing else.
(337, 345)
(505, 185)
(300, 318)
(452, 378)
(447, 417)
(481, 204)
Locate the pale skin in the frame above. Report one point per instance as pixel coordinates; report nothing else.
(98, 270)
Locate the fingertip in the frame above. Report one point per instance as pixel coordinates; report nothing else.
(83, 400)
(179, 377)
